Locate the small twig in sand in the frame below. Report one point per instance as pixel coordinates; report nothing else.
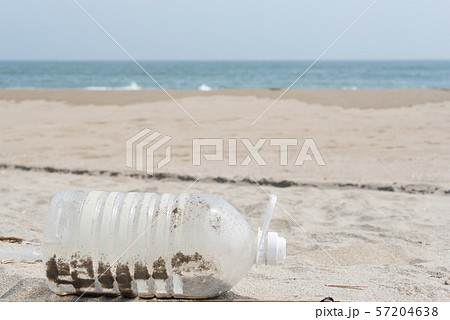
(18, 240)
(12, 239)
(346, 286)
(19, 261)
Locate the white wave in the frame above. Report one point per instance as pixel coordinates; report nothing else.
(133, 86)
(204, 87)
(98, 88)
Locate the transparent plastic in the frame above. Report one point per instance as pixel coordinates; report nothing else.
(147, 244)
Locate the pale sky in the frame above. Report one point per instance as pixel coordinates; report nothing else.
(224, 30)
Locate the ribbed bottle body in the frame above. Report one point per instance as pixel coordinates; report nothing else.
(145, 244)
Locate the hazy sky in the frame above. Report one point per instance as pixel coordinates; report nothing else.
(226, 29)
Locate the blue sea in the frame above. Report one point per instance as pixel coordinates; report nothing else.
(206, 75)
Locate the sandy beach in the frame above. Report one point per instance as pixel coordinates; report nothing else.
(370, 225)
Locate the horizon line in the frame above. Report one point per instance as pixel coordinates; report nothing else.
(220, 60)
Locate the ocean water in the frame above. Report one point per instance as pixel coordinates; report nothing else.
(206, 75)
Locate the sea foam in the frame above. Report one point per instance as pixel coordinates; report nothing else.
(204, 87)
(133, 86)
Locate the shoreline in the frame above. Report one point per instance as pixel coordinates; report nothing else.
(360, 99)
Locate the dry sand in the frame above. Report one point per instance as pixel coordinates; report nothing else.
(379, 207)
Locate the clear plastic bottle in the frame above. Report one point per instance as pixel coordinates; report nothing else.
(147, 244)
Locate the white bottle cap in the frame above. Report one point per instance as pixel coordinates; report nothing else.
(271, 247)
(276, 248)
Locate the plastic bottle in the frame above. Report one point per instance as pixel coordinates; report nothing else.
(147, 244)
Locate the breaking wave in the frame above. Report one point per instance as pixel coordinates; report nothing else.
(133, 86)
